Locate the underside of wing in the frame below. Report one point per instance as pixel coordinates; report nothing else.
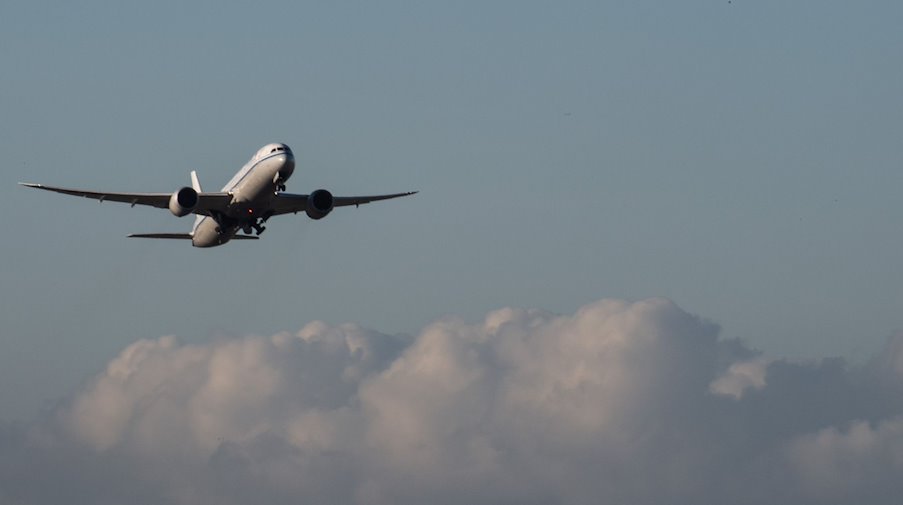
(159, 200)
(286, 203)
(206, 202)
(344, 201)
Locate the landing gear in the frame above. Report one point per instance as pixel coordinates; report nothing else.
(256, 225)
(279, 181)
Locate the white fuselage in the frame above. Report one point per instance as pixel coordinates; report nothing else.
(253, 189)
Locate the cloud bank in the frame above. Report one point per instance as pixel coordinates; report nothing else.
(621, 402)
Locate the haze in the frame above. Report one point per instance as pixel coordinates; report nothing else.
(715, 171)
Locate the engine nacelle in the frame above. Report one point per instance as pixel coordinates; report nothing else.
(183, 201)
(319, 203)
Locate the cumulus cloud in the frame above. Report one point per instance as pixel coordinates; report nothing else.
(618, 403)
(740, 376)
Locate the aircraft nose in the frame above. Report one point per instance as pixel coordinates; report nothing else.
(288, 166)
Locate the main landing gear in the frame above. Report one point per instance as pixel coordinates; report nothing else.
(257, 225)
(248, 223)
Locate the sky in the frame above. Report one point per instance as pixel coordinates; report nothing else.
(725, 175)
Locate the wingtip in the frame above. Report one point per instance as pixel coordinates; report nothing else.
(30, 184)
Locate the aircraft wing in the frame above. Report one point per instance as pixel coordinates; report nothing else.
(286, 203)
(207, 202)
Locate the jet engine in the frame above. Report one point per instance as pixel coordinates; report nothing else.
(319, 203)
(183, 201)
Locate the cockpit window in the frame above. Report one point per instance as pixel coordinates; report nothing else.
(277, 149)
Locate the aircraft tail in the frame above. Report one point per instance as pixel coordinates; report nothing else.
(185, 236)
(161, 235)
(196, 185)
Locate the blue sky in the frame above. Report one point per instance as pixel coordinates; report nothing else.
(741, 159)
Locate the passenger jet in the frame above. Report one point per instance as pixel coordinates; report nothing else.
(255, 194)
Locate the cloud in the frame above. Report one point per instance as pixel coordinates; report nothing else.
(618, 403)
(858, 463)
(739, 377)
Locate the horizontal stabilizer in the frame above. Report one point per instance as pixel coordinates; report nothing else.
(185, 236)
(161, 235)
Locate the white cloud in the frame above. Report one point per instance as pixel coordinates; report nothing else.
(851, 463)
(739, 377)
(618, 403)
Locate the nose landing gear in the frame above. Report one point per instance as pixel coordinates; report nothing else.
(279, 181)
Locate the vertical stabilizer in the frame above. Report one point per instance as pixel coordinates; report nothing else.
(196, 185)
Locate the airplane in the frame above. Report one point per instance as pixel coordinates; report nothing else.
(255, 194)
